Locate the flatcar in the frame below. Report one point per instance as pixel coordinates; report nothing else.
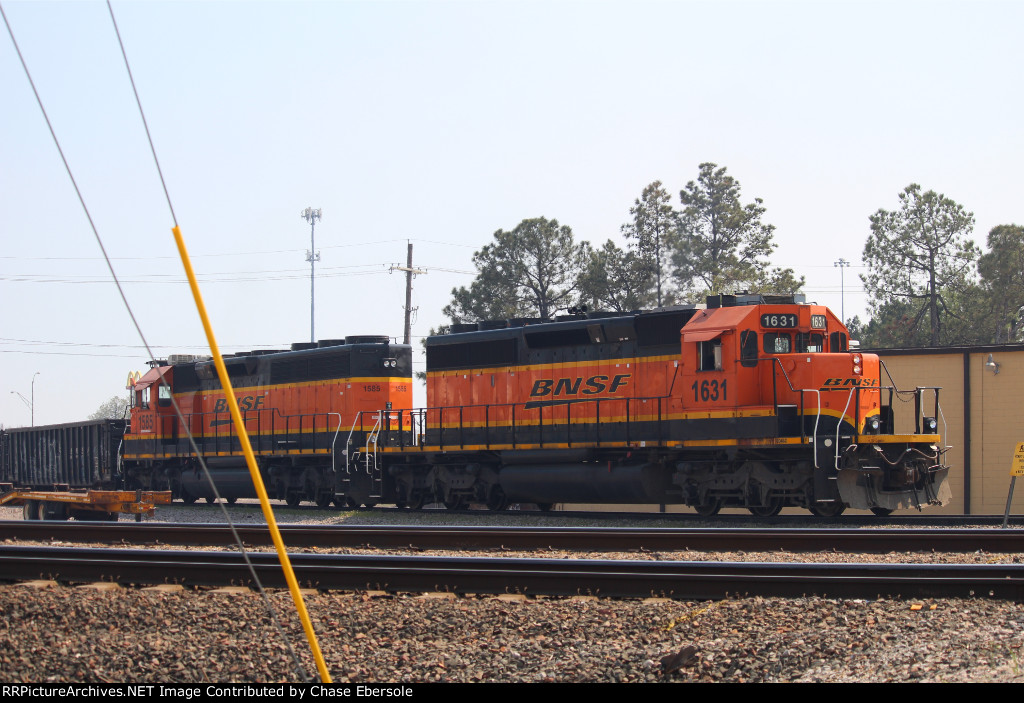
(753, 402)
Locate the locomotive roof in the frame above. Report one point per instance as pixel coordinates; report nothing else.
(298, 349)
(503, 329)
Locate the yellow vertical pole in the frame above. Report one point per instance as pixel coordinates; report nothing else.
(250, 460)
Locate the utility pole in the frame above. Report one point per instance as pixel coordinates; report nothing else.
(409, 309)
(842, 264)
(312, 256)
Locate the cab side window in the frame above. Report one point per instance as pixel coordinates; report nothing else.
(837, 342)
(748, 348)
(710, 355)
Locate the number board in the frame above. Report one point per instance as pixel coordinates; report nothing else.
(818, 322)
(778, 320)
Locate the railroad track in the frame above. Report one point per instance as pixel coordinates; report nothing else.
(739, 518)
(561, 577)
(527, 538)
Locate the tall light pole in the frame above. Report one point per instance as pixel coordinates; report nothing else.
(312, 256)
(842, 264)
(30, 403)
(34, 398)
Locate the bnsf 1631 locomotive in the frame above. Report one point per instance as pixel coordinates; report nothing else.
(754, 402)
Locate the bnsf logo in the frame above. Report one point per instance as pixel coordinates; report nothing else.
(840, 382)
(569, 386)
(245, 402)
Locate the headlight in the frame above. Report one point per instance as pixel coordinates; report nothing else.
(856, 359)
(856, 370)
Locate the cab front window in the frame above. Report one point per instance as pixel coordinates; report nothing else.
(812, 343)
(777, 343)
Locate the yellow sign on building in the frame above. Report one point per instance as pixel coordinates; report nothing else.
(1017, 468)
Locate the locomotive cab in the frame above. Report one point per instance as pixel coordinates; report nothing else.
(778, 357)
(153, 420)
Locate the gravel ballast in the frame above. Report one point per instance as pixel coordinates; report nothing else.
(68, 634)
(79, 634)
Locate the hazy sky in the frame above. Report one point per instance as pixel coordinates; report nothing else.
(442, 122)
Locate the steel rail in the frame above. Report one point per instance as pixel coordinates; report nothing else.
(562, 577)
(505, 538)
(734, 517)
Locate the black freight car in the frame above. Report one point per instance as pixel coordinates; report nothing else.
(72, 456)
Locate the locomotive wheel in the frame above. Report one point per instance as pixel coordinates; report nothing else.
(496, 500)
(29, 511)
(455, 503)
(293, 499)
(232, 500)
(710, 508)
(340, 502)
(881, 512)
(773, 508)
(351, 502)
(416, 501)
(324, 500)
(210, 500)
(544, 507)
(187, 498)
(834, 509)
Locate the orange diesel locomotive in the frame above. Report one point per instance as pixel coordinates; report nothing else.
(755, 402)
(299, 409)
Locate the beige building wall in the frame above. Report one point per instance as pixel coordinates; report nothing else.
(981, 418)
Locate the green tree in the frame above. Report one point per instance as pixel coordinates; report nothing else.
(921, 254)
(722, 244)
(615, 280)
(1002, 279)
(651, 231)
(115, 408)
(530, 271)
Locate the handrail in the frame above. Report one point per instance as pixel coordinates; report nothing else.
(348, 442)
(775, 400)
(371, 437)
(334, 440)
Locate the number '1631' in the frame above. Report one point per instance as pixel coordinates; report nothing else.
(709, 390)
